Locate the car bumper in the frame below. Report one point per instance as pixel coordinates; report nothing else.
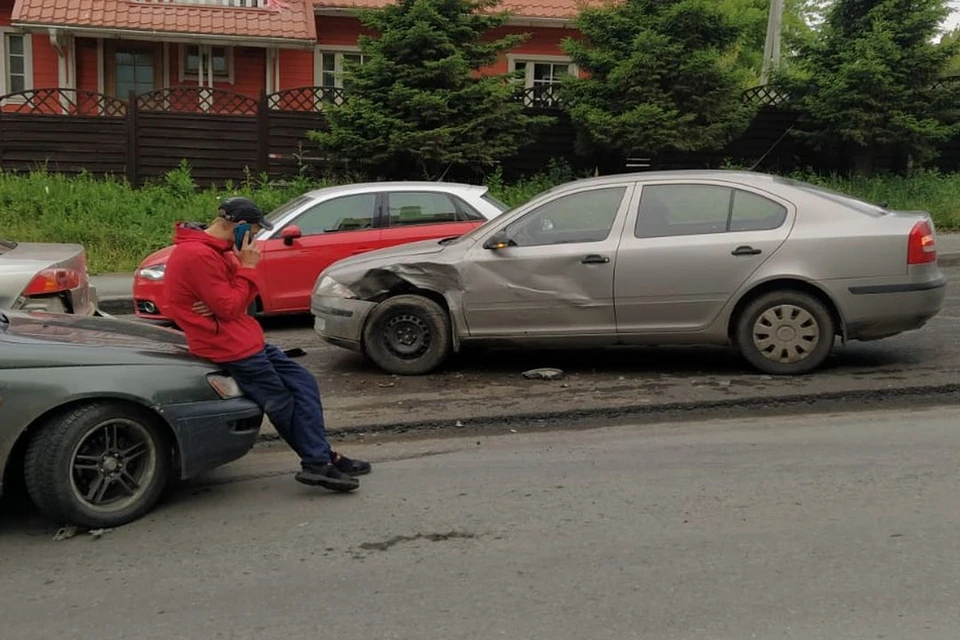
(879, 309)
(213, 433)
(340, 321)
(81, 301)
(148, 299)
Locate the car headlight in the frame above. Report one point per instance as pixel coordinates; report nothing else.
(154, 272)
(225, 386)
(327, 286)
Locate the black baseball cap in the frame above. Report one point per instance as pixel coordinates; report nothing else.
(243, 209)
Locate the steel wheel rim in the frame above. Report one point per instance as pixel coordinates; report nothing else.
(407, 336)
(786, 334)
(113, 465)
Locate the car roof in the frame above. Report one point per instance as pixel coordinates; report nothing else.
(744, 177)
(397, 185)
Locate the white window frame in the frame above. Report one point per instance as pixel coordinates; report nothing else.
(228, 77)
(337, 52)
(27, 62)
(530, 60)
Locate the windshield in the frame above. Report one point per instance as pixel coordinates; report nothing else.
(840, 198)
(6, 245)
(286, 208)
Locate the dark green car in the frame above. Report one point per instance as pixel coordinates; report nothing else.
(97, 415)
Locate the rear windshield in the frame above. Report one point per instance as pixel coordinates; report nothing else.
(6, 245)
(840, 198)
(495, 202)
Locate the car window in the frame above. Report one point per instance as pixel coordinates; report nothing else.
(467, 211)
(586, 216)
(415, 208)
(755, 213)
(348, 213)
(685, 209)
(499, 204)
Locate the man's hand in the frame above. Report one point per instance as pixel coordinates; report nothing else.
(249, 253)
(202, 309)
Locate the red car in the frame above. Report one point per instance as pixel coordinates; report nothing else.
(315, 230)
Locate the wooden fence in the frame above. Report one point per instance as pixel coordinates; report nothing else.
(227, 136)
(221, 134)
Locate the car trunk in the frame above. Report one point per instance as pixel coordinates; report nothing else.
(917, 240)
(46, 277)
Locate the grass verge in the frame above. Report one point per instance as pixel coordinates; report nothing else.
(120, 225)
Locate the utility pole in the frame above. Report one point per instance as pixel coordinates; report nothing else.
(771, 47)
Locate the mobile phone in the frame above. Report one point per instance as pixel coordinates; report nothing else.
(240, 233)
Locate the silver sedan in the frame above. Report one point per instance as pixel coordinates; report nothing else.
(773, 267)
(45, 277)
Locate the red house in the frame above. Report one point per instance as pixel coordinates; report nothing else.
(114, 47)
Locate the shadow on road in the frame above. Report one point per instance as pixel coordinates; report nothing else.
(18, 516)
(634, 361)
(896, 352)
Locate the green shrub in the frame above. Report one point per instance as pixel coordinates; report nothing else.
(120, 225)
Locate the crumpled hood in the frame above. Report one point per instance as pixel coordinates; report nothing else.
(391, 255)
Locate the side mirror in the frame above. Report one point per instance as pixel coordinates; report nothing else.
(499, 241)
(290, 233)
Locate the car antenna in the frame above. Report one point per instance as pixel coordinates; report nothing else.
(772, 147)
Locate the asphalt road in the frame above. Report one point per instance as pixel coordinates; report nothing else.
(827, 527)
(484, 384)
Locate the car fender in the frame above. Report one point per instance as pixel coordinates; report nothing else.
(27, 397)
(722, 323)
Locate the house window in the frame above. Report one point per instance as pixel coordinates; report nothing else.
(16, 63)
(541, 77)
(195, 57)
(332, 66)
(135, 72)
(16, 73)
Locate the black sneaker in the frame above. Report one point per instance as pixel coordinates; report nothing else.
(349, 466)
(328, 477)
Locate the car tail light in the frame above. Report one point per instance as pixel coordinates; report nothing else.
(53, 281)
(921, 247)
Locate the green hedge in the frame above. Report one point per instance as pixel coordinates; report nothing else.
(120, 225)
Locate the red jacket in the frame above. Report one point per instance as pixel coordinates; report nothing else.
(203, 268)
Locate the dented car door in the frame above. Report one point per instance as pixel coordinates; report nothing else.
(552, 272)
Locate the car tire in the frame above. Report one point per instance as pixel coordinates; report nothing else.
(407, 335)
(785, 333)
(110, 443)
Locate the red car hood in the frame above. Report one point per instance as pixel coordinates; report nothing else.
(157, 257)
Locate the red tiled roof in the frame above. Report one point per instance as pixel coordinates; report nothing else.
(285, 20)
(557, 9)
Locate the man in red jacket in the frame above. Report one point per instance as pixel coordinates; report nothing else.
(209, 286)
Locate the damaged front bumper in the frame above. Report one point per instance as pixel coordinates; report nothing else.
(340, 321)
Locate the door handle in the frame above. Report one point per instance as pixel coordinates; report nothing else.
(745, 251)
(595, 259)
(363, 250)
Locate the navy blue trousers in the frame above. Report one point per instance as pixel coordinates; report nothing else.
(290, 396)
